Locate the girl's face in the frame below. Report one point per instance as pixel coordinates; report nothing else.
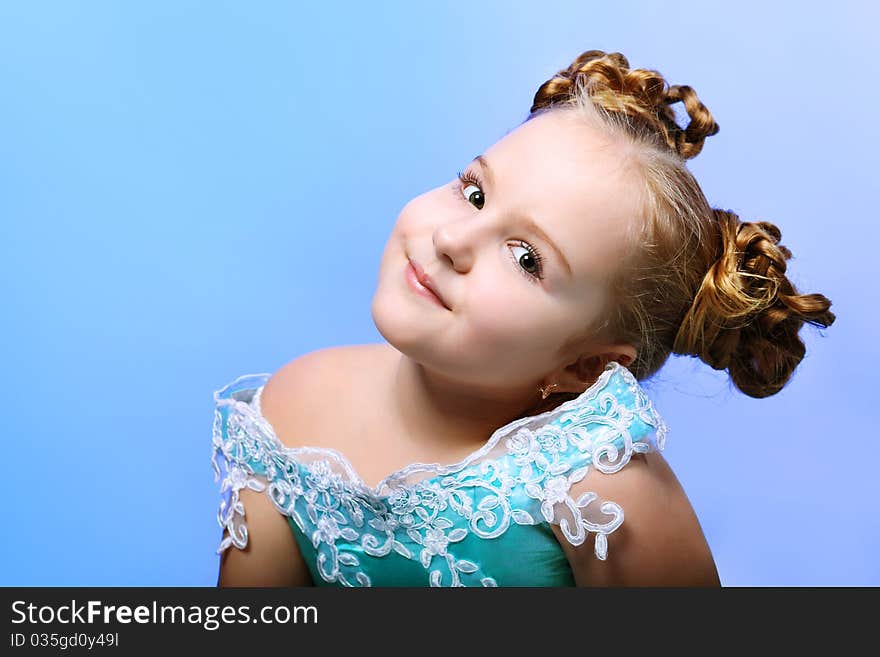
(518, 251)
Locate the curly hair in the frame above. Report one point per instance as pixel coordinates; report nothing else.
(696, 280)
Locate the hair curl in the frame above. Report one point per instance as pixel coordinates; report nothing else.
(696, 280)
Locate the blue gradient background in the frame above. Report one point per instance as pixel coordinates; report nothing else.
(190, 191)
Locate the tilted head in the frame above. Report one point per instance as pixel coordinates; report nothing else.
(581, 237)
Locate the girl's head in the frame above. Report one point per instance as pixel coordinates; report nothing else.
(581, 237)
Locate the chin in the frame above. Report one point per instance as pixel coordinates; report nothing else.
(404, 330)
(393, 322)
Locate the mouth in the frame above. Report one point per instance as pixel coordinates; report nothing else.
(422, 283)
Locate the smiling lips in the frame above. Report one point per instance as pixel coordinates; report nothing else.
(422, 284)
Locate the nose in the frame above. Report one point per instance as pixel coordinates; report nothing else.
(458, 240)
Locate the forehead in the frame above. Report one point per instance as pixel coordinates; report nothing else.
(575, 182)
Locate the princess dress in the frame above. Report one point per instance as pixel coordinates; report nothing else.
(484, 521)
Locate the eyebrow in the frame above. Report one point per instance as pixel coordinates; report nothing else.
(528, 222)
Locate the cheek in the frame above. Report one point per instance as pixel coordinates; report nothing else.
(408, 228)
(421, 212)
(508, 346)
(499, 316)
(510, 322)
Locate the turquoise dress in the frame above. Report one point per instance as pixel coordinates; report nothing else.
(484, 521)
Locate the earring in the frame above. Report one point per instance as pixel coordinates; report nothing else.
(545, 390)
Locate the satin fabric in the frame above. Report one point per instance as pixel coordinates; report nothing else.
(485, 521)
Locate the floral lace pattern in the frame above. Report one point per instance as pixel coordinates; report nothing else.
(523, 475)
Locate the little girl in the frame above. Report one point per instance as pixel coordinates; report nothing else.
(498, 435)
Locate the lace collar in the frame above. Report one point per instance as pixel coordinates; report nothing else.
(615, 387)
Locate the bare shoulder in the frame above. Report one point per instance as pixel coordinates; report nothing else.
(298, 394)
(660, 542)
(291, 402)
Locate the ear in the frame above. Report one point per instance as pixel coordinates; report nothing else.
(582, 373)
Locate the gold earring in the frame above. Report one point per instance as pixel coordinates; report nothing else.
(545, 390)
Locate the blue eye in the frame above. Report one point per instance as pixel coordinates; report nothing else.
(469, 179)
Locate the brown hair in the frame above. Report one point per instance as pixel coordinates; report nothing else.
(696, 280)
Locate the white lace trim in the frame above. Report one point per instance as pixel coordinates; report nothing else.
(335, 504)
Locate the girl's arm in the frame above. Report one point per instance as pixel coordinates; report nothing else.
(659, 543)
(271, 556)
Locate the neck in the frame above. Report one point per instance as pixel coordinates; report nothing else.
(432, 408)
